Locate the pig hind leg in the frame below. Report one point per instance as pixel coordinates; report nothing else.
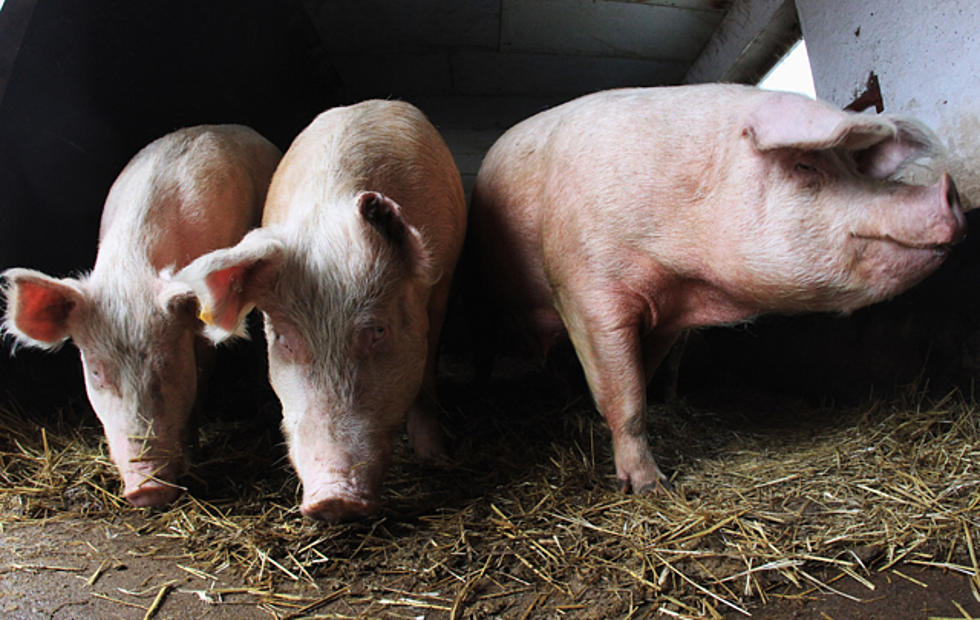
(612, 357)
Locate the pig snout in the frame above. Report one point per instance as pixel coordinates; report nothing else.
(147, 471)
(144, 489)
(931, 218)
(337, 486)
(336, 500)
(944, 224)
(952, 202)
(149, 481)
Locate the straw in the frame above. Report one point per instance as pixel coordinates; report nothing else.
(778, 501)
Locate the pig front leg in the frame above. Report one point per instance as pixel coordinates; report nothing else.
(609, 349)
(422, 423)
(424, 433)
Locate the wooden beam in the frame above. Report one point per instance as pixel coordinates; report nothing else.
(748, 42)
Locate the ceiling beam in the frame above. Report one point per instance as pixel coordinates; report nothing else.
(750, 39)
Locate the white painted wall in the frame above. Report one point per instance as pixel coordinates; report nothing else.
(927, 59)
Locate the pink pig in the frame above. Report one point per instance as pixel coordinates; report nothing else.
(626, 217)
(185, 194)
(362, 229)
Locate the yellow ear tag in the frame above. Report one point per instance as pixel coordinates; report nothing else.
(205, 315)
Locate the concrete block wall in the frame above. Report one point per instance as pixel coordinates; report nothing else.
(476, 67)
(511, 47)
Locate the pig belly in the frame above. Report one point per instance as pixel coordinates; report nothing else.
(545, 327)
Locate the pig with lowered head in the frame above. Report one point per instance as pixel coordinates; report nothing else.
(624, 217)
(143, 353)
(351, 269)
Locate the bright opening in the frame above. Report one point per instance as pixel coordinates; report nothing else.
(792, 73)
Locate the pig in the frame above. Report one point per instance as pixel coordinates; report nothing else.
(623, 218)
(362, 228)
(142, 347)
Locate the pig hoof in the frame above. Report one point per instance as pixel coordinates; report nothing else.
(657, 487)
(152, 493)
(339, 508)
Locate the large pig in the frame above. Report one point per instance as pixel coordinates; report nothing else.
(362, 228)
(185, 194)
(624, 217)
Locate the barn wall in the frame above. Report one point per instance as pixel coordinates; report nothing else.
(95, 81)
(477, 67)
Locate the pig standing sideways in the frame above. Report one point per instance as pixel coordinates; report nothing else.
(625, 217)
(185, 194)
(363, 224)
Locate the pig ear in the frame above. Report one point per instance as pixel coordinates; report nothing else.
(175, 296)
(229, 282)
(385, 215)
(786, 120)
(41, 309)
(912, 142)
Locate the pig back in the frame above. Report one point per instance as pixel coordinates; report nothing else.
(612, 170)
(384, 146)
(188, 193)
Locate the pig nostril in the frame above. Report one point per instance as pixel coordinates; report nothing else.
(952, 195)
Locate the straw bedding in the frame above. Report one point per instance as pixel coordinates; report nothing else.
(773, 498)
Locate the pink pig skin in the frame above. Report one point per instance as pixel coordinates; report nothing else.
(625, 217)
(351, 268)
(142, 349)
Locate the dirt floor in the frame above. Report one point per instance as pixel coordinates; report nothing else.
(781, 509)
(73, 568)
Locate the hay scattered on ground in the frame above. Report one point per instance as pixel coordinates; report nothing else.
(773, 499)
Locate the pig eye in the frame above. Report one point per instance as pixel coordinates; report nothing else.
(377, 333)
(280, 341)
(372, 338)
(288, 345)
(97, 377)
(805, 168)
